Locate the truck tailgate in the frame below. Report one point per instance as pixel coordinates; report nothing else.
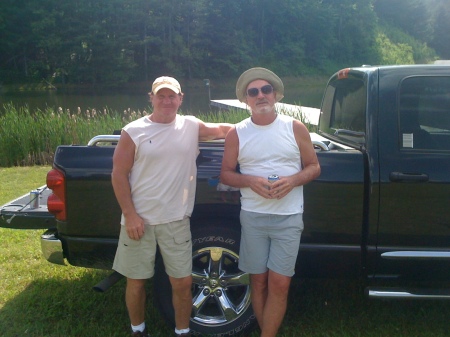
(20, 214)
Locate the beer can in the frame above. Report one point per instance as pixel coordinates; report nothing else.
(34, 199)
(273, 177)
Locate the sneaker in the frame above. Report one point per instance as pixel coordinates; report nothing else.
(140, 333)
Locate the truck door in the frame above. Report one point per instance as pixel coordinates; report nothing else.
(414, 216)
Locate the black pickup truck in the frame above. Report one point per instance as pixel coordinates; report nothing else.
(379, 211)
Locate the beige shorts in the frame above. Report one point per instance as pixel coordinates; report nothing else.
(135, 259)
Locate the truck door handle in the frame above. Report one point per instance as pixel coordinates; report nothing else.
(414, 177)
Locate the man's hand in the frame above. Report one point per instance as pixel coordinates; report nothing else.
(135, 227)
(260, 186)
(280, 188)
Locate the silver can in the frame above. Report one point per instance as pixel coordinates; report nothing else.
(34, 199)
(273, 177)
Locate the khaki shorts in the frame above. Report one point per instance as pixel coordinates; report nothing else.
(135, 259)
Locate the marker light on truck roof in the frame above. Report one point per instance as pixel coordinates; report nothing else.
(343, 73)
(56, 201)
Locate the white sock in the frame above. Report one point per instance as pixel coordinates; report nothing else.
(140, 327)
(179, 332)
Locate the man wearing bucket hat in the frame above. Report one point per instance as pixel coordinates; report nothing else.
(268, 144)
(153, 168)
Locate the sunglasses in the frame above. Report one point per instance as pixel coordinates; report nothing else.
(266, 89)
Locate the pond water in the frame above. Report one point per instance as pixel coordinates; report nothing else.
(196, 100)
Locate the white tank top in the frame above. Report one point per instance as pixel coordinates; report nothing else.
(266, 150)
(163, 177)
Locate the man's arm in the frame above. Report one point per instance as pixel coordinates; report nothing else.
(310, 163)
(123, 160)
(209, 131)
(228, 174)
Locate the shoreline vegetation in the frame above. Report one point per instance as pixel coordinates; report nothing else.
(144, 86)
(30, 137)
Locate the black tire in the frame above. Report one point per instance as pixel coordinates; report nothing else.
(221, 292)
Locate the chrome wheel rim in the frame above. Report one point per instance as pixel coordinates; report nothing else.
(221, 292)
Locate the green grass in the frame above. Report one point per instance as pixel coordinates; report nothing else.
(41, 299)
(38, 298)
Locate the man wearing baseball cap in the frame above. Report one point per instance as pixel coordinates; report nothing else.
(268, 144)
(154, 180)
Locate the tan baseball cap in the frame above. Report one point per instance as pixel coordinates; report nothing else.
(258, 73)
(166, 82)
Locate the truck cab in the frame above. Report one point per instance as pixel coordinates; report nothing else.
(399, 119)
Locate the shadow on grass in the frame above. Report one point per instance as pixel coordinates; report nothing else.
(340, 308)
(59, 307)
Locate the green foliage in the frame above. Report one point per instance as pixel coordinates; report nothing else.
(115, 42)
(413, 17)
(441, 39)
(31, 137)
(419, 23)
(392, 53)
(396, 47)
(224, 116)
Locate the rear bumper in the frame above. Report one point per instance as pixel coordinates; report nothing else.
(52, 248)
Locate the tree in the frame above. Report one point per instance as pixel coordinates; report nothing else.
(441, 39)
(16, 44)
(114, 42)
(412, 16)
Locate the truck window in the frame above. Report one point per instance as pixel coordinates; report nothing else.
(424, 113)
(344, 110)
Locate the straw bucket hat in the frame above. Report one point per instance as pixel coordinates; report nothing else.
(258, 73)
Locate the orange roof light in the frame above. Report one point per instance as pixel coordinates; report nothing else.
(343, 73)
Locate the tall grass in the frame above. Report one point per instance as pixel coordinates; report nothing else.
(31, 137)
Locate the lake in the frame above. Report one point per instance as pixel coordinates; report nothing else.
(196, 99)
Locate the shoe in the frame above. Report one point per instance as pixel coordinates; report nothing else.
(188, 334)
(140, 333)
